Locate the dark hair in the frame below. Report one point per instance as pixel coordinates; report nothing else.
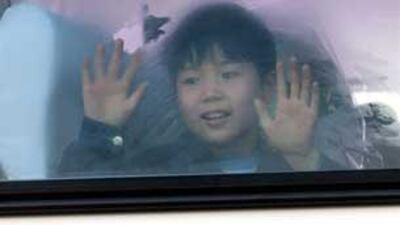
(237, 32)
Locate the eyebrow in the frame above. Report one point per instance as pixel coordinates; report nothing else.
(230, 61)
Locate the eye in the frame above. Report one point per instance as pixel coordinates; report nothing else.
(229, 75)
(191, 81)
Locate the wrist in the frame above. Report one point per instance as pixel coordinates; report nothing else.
(101, 136)
(303, 161)
(111, 122)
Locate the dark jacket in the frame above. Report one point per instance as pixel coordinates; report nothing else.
(95, 154)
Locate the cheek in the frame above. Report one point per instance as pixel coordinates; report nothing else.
(243, 93)
(242, 101)
(187, 99)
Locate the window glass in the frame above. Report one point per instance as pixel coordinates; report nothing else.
(176, 87)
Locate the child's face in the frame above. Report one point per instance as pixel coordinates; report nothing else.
(216, 98)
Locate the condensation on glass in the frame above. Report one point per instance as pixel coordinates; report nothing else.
(136, 88)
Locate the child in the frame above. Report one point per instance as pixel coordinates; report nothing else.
(228, 82)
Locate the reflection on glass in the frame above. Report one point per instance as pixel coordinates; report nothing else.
(228, 88)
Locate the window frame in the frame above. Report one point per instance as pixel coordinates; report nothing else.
(135, 194)
(188, 192)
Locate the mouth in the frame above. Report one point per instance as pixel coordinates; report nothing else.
(216, 118)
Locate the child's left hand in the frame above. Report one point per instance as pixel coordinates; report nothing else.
(290, 131)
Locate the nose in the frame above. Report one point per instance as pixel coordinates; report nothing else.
(211, 91)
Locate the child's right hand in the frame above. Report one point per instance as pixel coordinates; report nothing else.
(105, 94)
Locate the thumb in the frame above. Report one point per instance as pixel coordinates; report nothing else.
(263, 114)
(136, 96)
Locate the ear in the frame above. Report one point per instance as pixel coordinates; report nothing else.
(328, 95)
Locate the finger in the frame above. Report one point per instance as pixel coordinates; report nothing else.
(263, 114)
(280, 81)
(294, 79)
(85, 73)
(99, 62)
(115, 59)
(136, 96)
(306, 84)
(133, 66)
(315, 95)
